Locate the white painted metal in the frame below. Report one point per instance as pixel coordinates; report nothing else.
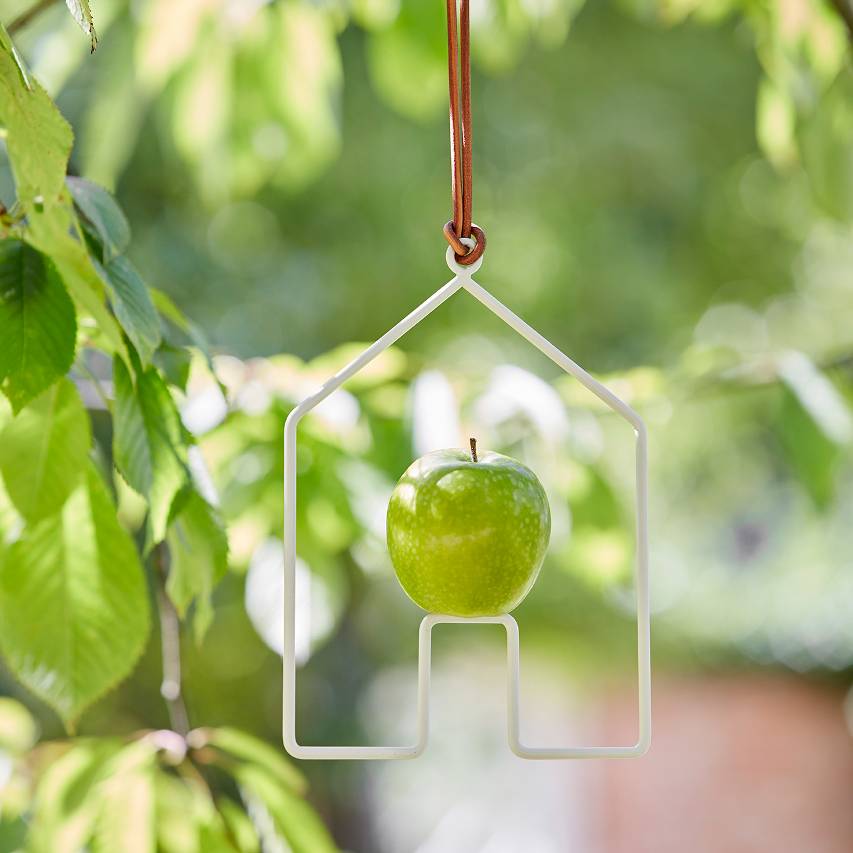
(463, 280)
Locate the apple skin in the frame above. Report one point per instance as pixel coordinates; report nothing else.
(468, 538)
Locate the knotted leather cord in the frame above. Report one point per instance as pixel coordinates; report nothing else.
(459, 53)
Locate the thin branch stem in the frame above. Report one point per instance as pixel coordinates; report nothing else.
(27, 17)
(845, 12)
(171, 687)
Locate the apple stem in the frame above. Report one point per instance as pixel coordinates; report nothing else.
(473, 443)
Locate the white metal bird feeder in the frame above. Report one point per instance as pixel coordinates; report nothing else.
(464, 257)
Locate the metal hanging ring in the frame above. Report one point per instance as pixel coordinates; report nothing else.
(467, 255)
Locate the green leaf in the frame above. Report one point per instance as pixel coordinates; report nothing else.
(132, 305)
(827, 152)
(38, 139)
(37, 323)
(818, 396)
(169, 311)
(187, 821)
(812, 456)
(167, 308)
(13, 833)
(239, 825)
(11, 522)
(199, 558)
(73, 602)
(174, 363)
(53, 232)
(65, 810)
(213, 838)
(43, 451)
(8, 45)
(775, 122)
(81, 13)
(814, 426)
(148, 442)
(126, 802)
(102, 212)
(279, 814)
(247, 749)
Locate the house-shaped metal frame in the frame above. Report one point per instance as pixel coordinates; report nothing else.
(463, 280)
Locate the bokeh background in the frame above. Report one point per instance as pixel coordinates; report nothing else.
(667, 187)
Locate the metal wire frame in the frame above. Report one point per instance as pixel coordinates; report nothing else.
(463, 280)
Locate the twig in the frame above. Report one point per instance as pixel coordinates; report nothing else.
(170, 644)
(26, 17)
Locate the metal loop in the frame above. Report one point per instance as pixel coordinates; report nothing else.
(458, 268)
(467, 255)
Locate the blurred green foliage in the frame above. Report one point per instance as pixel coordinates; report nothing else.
(667, 186)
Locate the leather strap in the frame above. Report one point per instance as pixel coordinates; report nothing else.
(459, 66)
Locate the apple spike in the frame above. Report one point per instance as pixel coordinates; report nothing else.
(473, 443)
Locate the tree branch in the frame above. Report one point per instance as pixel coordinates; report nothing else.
(171, 688)
(845, 12)
(26, 17)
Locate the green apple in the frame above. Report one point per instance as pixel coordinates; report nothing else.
(466, 533)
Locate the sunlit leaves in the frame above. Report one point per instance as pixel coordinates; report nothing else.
(53, 233)
(101, 211)
(827, 150)
(775, 124)
(43, 451)
(107, 227)
(239, 746)
(167, 308)
(187, 820)
(73, 597)
(173, 357)
(410, 44)
(239, 825)
(73, 603)
(305, 78)
(98, 795)
(8, 45)
(103, 795)
(271, 790)
(281, 58)
(414, 47)
(174, 363)
(815, 424)
(148, 441)
(37, 323)
(162, 50)
(18, 729)
(18, 734)
(818, 396)
(38, 138)
(280, 815)
(375, 14)
(65, 808)
(198, 551)
(126, 814)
